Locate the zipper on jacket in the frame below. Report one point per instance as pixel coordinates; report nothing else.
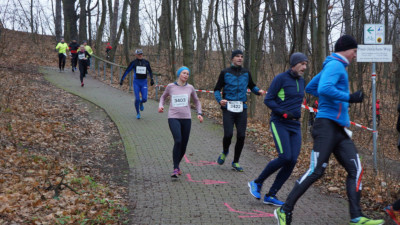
(297, 82)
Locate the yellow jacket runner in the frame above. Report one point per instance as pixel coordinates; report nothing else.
(62, 48)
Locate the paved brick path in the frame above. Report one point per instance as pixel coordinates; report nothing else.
(200, 199)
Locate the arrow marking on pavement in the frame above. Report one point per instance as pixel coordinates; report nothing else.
(201, 163)
(249, 214)
(205, 181)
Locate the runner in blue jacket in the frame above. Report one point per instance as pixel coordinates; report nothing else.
(141, 68)
(330, 135)
(284, 97)
(234, 82)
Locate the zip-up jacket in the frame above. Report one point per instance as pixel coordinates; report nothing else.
(234, 82)
(285, 93)
(62, 48)
(73, 47)
(133, 66)
(331, 85)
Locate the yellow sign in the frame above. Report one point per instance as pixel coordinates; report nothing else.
(379, 40)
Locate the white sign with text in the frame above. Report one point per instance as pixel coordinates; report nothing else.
(374, 53)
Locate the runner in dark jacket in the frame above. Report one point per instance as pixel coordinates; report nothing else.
(284, 97)
(73, 48)
(83, 57)
(234, 81)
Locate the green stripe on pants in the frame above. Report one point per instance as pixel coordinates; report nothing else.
(278, 140)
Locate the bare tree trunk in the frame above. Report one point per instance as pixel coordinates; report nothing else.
(121, 27)
(221, 44)
(100, 29)
(253, 39)
(113, 20)
(347, 17)
(279, 37)
(185, 24)
(235, 24)
(70, 18)
(172, 56)
(202, 38)
(321, 37)
(164, 22)
(57, 21)
(82, 21)
(134, 26)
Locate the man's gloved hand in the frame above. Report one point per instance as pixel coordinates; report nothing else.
(151, 82)
(356, 97)
(287, 115)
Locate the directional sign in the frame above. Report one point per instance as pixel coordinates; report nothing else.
(374, 53)
(374, 34)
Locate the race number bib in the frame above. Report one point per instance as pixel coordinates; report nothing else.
(180, 100)
(81, 56)
(235, 106)
(140, 70)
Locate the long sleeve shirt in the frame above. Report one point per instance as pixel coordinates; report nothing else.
(179, 107)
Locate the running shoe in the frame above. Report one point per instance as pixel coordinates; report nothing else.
(138, 116)
(179, 171)
(283, 218)
(175, 173)
(394, 214)
(366, 221)
(272, 200)
(255, 189)
(237, 167)
(141, 106)
(82, 84)
(221, 158)
(73, 69)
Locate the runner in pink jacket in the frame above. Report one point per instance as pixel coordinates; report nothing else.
(179, 114)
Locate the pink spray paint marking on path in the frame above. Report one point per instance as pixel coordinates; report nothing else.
(189, 177)
(249, 214)
(201, 163)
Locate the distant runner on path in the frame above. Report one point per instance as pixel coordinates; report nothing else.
(330, 134)
(62, 48)
(83, 57)
(284, 97)
(234, 81)
(179, 115)
(73, 49)
(141, 68)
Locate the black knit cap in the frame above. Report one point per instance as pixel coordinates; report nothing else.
(236, 52)
(344, 43)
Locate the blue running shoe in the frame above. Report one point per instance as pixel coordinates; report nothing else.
(221, 158)
(138, 116)
(237, 167)
(272, 200)
(141, 107)
(255, 189)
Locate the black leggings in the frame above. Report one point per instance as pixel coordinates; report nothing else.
(229, 120)
(61, 61)
(74, 59)
(82, 69)
(330, 138)
(180, 129)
